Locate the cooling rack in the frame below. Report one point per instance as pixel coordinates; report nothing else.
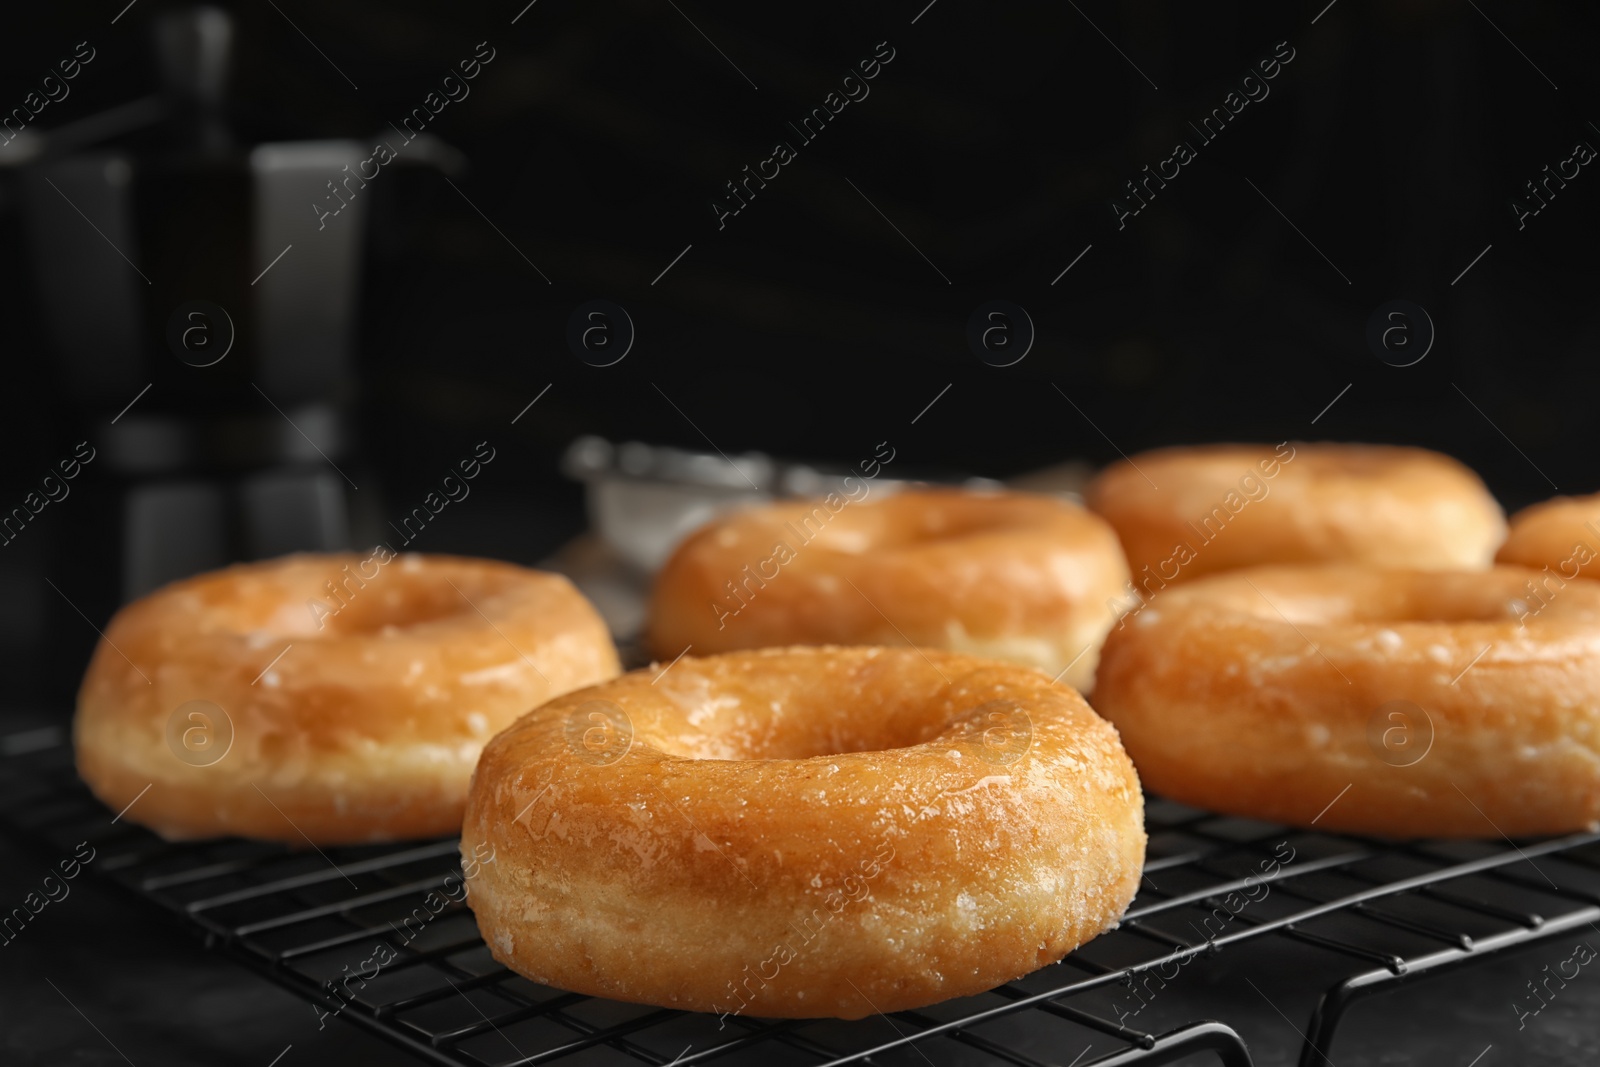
(309, 921)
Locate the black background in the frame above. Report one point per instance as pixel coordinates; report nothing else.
(995, 139)
(600, 133)
(809, 327)
(812, 326)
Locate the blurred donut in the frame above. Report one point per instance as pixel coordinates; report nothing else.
(1185, 512)
(324, 698)
(1394, 703)
(1010, 576)
(1561, 535)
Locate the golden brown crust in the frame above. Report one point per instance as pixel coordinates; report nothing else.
(1397, 703)
(366, 729)
(1560, 535)
(1185, 512)
(803, 832)
(1011, 576)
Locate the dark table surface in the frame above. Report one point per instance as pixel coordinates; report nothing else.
(100, 978)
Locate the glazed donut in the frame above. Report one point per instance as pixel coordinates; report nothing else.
(1395, 703)
(1005, 575)
(324, 698)
(1185, 512)
(1560, 535)
(803, 832)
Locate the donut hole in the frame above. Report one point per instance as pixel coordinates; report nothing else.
(398, 603)
(1463, 609)
(1306, 597)
(798, 742)
(893, 703)
(1425, 608)
(1353, 463)
(315, 599)
(937, 524)
(1446, 598)
(914, 522)
(797, 733)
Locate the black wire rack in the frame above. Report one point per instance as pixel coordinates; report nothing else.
(423, 979)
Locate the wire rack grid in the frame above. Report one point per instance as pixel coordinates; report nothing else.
(422, 978)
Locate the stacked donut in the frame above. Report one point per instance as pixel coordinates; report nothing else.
(325, 699)
(860, 776)
(1316, 635)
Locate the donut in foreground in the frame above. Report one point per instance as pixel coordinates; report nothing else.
(803, 832)
(1011, 576)
(1184, 512)
(324, 698)
(1394, 703)
(1560, 537)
